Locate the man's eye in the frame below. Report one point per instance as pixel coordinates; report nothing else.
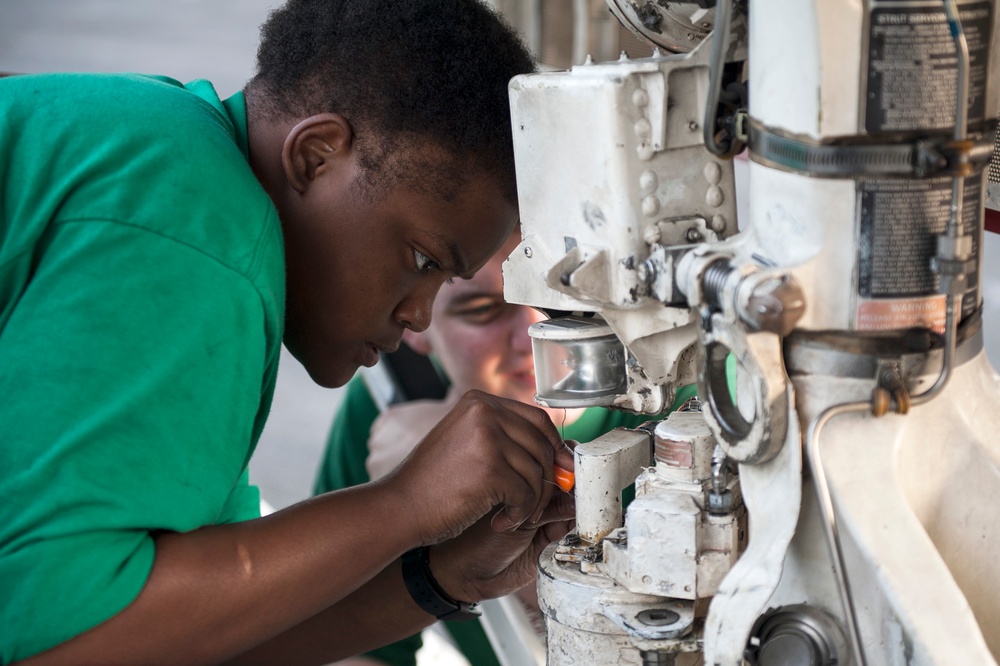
(482, 313)
(424, 263)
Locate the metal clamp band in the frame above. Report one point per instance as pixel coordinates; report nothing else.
(918, 159)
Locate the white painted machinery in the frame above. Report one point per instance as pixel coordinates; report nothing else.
(833, 500)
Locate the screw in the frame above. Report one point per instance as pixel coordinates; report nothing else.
(646, 272)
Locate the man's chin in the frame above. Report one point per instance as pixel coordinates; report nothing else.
(335, 377)
(524, 395)
(330, 375)
(326, 370)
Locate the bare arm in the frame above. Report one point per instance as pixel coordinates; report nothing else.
(216, 591)
(219, 591)
(478, 564)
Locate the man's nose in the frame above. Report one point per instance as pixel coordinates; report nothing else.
(414, 311)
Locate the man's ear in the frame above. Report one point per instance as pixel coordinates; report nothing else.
(418, 342)
(313, 147)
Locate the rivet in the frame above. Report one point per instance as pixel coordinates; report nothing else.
(712, 172)
(640, 97)
(652, 234)
(714, 196)
(718, 224)
(642, 128)
(645, 151)
(648, 181)
(693, 126)
(650, 206)
(527, 252)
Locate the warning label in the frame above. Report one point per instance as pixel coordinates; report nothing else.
(902, 313)
(913, 65)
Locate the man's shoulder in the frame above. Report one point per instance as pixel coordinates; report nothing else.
(138, 150)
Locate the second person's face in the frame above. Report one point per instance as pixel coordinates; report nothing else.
(481, 340)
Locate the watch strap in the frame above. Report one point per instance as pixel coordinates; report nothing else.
(427, 593)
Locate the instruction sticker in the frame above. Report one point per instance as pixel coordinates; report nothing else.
(912, 66)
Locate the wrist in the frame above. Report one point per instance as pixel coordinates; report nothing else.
(427, 592)
(447, 575)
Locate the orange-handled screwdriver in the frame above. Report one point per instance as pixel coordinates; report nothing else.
(564, 479)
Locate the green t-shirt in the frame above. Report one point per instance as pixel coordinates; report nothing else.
(141, 309)
(343, 465)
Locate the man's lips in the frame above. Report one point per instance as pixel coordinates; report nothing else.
(372, 350)
(385, 348)
(522, 375)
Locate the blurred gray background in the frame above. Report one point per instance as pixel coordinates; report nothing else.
(217, 40)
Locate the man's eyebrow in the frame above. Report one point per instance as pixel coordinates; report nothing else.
(459, 265)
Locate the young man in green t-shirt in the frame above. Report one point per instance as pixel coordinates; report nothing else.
(157, 245)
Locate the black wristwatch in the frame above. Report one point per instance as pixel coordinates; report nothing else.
(428, 594)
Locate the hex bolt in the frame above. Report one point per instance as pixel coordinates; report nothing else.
(720, 502)
(776, 306)
(658, 658)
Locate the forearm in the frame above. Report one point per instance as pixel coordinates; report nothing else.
(218, 591)
(378, 613)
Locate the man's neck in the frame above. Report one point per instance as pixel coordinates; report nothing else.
(266, 140)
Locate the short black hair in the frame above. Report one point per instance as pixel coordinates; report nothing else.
(419, 72)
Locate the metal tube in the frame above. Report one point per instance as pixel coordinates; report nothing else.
(948, 361)
(954, 228)
(830, 522)
(581, 31)
(720, 44)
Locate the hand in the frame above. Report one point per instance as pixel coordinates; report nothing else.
(486, 452)
(482, 563)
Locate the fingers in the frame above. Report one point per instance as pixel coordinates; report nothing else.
(564, 455)
(561, 509)
(537, 443)
(484, 563)
(486, 451)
